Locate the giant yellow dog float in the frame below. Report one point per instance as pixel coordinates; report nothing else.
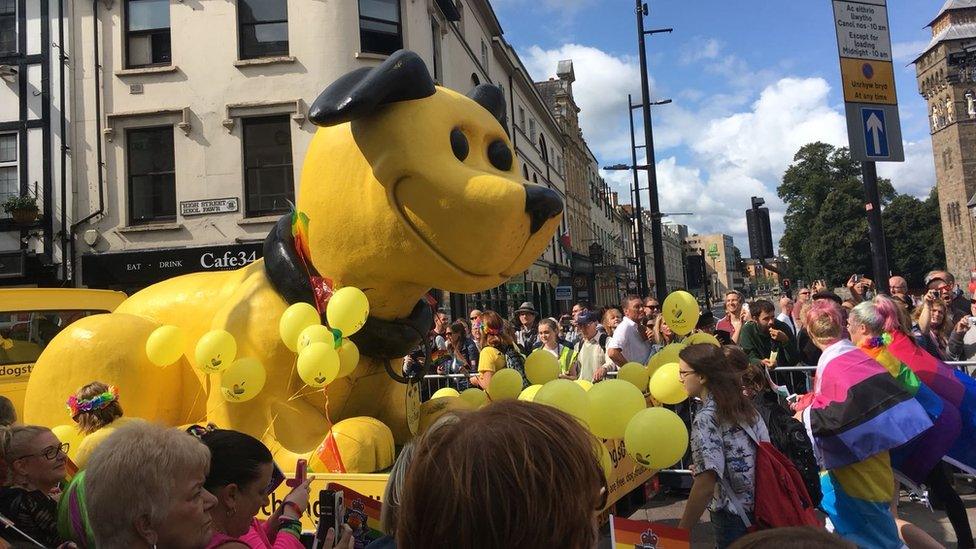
(406, 186)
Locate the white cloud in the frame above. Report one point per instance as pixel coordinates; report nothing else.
(699, 49)
(914, 176)
(906, 52)
(602, 83)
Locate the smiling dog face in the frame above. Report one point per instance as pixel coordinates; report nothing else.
(407, 182)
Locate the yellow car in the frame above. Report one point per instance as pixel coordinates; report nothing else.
(29, 320)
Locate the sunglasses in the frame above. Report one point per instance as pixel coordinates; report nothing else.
(50, 453)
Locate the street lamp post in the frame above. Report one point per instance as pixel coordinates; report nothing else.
(657, 243)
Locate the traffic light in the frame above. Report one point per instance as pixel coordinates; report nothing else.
(760, 235)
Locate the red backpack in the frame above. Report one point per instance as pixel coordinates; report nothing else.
(781, 497)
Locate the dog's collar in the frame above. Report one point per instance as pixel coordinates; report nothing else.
(378, 338)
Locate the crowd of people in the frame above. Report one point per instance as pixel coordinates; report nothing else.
(882, 410)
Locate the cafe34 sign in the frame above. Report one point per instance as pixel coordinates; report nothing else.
(868, 79)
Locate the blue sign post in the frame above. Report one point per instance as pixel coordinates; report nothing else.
(875, 132)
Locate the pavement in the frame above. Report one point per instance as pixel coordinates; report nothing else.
(667, 509)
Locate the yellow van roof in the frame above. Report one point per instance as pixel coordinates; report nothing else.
(59, 299)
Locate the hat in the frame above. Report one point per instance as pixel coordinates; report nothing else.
(587, 317)
(527, 307)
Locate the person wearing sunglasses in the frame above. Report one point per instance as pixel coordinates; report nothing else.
(242, 479)
(34, 460)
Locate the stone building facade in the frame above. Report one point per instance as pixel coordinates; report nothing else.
(946, 74)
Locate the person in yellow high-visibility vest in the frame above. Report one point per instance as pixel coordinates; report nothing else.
(550, 341)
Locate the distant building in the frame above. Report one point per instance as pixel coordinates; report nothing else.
(946, 74)
(720, 268)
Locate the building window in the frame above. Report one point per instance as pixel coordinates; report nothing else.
(152, 174)
(525, 172)
(484, 58)
(379, 26)
(475, 81)
(460, 22)
(522, 118)
(147, 33)
(435, 39)
(9, 184)
(263, 28)
(269, 178)
(8, 26)
(947, 159)
(532, 129)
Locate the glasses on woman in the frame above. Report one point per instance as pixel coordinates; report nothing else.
(50, 453)
(685, 373)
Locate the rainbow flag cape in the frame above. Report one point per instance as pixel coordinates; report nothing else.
(640, 534)
(916, 459)
(955, 388)
(859, 409)
(362, 514)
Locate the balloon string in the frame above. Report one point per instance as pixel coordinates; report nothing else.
(338, 455)
(192, 406)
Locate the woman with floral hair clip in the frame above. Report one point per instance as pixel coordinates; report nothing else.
(94, 408)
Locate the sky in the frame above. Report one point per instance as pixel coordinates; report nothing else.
(751, 82)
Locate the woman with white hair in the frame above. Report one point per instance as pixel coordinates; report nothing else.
(144, 488)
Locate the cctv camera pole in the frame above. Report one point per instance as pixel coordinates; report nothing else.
(657, 244)
(638, 213)
(872, 203)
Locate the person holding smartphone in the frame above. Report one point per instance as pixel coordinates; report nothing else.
(962, 341)
(242, 479)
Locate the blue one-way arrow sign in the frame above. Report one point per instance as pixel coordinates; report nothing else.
(875, 133)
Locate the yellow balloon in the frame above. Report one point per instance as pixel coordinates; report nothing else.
(316, 333)
(541, 366)
(215, 351)
(71, 435)
(164, 345)
(348, 310)
(567, 396)
(634, 373)
(243, 380)
(505, 383)
(348, 358)
(318, 364)
(528, 394)
(606, 462)
(680, 310)
(668, 354)
(475, 397)
(445, 392)
(701, 337)
(666, 385)
(586, 385)
(656, 438)
(612, 403)
(296, 318)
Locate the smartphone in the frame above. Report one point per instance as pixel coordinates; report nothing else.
(857, 277)
(972, 321)
(331, 511)
(301, 473)
(277, 477)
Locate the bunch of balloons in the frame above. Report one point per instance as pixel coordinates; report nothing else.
(324, 353)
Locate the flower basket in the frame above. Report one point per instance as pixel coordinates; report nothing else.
(23, 209)
(24, 216)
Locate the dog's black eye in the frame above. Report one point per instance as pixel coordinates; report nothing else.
(500, 155)
(459, 144)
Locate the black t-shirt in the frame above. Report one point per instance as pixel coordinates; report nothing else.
(33, 513)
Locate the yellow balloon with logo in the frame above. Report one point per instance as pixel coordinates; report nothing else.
(164, 345)
(656, 438)
(541, 366)
(505, 383)
(680, 311)
(318, 364)
(612, 403)
(316, 333)
(215, 351)
(243, 380)
(567, 396)
(348, 310)
(296, 318)
(666, 385)
(635, 373)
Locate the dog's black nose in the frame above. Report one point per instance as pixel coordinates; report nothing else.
(542, 204)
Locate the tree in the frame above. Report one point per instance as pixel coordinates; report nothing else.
(826, 233)
(913, 233)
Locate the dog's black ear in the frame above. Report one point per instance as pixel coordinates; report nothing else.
(492, 99)
(402, 77)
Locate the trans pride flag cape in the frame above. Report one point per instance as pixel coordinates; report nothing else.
(955, 387)
(859, 409)
(916, 459)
